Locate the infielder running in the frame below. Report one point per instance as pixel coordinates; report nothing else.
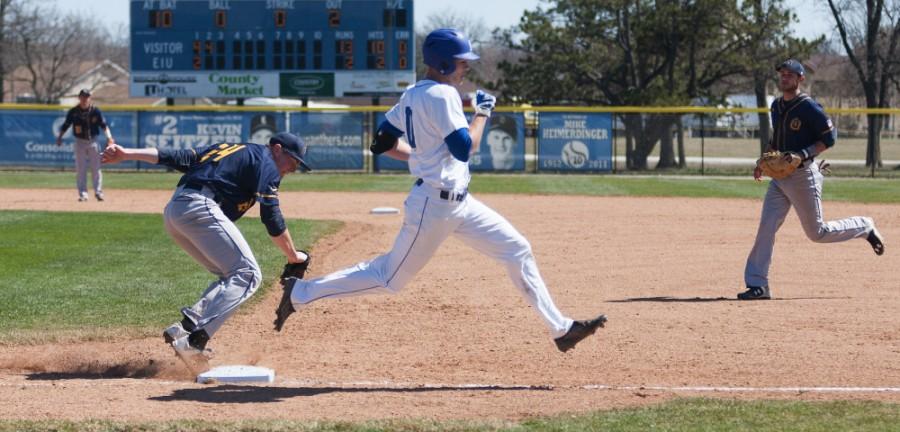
(800, 127)
(221, 182)
(438, 145)
(86, 121)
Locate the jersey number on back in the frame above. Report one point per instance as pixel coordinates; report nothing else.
(409, 128)
(221, 152)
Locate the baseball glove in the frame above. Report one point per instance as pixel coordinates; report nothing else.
(778, 165)
(296, 270)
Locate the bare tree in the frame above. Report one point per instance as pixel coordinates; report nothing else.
(10, 13)
(474, 27)
(51, 49)
(869, 34)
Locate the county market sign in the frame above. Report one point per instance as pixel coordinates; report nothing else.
(204, 84)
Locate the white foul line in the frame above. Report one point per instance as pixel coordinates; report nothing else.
(747, 389)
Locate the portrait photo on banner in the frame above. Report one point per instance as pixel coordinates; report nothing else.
(502, 144)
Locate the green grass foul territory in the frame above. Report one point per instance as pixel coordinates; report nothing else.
(94, 275)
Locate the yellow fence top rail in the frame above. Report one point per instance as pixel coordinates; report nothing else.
(383, 108)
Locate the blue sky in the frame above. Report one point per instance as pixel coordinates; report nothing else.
(814, 21)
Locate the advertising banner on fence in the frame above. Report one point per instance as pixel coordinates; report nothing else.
(335, 139)
(28, 138)
(388, 163)
(187, 130)
(575, 142)
(502, 144)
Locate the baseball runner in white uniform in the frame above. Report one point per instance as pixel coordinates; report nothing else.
(439, 142)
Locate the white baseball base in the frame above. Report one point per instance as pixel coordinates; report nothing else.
(236, 374)
(385, 210)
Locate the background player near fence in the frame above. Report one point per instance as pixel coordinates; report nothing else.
(86, 121)
(440, 142)
(803, 129)
(221, 182)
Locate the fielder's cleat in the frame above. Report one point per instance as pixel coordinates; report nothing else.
(579, 331)
(286, 306)
(99, 196)
(173, 332)
(196, 359)
(82, 198)
(876, 240)
(755, 293)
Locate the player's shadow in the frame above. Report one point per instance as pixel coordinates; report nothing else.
(667, 299)
(99, 371)
(231, 393)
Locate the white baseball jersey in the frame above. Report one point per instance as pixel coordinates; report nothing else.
(427, 113)
(436, 208)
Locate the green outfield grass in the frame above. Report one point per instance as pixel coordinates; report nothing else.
(675, 416)
(854, 190)
(102, 275)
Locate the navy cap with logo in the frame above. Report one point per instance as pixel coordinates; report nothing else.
(84, 92)
(792, 66)
(292, 145)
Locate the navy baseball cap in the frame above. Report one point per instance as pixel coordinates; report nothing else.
(84, 92)
(292, 145)
(792, 66)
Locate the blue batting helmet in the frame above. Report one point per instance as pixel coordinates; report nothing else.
(443, 46)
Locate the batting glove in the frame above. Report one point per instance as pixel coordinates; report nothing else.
(483, 103)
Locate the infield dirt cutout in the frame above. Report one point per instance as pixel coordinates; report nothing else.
(460, 341)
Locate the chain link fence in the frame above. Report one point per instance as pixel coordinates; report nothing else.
(590, 140)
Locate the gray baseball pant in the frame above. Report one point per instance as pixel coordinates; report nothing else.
(802, 190)
(197, 224)
(87, 156)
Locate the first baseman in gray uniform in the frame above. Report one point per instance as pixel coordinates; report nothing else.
(220, 183)
(86, 121)
(800, 127)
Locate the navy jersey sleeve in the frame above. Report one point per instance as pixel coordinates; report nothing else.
(179, 160)
(823, 128)
(269, 209)
(100, 119)
(69, 119)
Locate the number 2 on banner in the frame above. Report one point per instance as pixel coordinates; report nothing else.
(410, 136)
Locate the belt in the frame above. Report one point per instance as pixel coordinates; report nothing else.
(447, 194)
(191, 185)
(203, 189)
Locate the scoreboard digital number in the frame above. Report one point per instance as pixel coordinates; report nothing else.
(247, 48)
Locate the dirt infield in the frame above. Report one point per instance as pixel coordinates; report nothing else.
(459, 341)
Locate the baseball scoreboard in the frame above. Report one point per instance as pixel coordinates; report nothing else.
(271, 48)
